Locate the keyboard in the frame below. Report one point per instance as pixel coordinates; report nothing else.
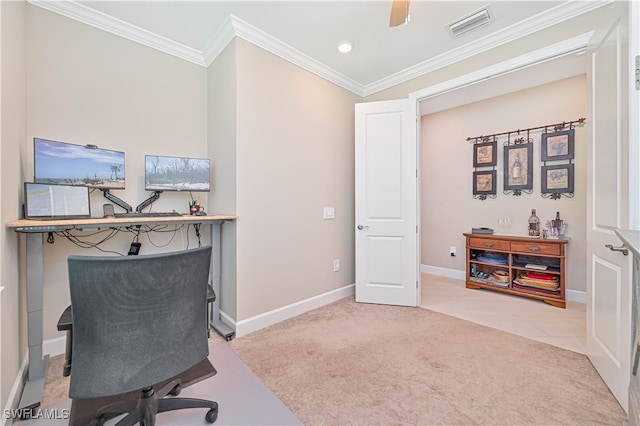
(147, 214)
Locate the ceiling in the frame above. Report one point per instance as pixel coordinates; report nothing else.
(307, 32)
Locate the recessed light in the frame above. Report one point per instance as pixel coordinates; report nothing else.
(345, 47)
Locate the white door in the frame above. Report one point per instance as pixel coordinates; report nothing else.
(386, 203)
(609, 272)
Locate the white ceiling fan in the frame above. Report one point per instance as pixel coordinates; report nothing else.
(399, 13)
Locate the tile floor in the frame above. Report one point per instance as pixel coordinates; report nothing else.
(525, 317)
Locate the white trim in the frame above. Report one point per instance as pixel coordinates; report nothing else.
(16, 391)
(236, 27)
(266, 319)
(539, 22)
(572, 45)
(572, 295)
(55, 346)
(442, 272)
(86, 15)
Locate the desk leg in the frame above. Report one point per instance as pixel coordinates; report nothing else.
(216, 266)
(34, 386)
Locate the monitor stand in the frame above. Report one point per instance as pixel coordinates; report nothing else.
(109, 196)
(146, 203)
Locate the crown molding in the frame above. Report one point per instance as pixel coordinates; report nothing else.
(236, 27)
(536, 23)
(96, 19)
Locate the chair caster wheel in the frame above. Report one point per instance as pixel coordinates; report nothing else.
(176, 390)
(211, 415)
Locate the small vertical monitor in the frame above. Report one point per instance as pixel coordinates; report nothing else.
(46, 201)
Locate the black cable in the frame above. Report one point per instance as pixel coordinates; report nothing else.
(196, 226)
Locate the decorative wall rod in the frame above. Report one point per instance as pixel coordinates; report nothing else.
(556, 127)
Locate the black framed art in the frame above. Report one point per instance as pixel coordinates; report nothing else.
(518, 167)
(557, 179)
(484, 182)
(485, 154)
(558, 145)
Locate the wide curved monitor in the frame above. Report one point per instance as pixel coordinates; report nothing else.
(64, 163)
(162, 173)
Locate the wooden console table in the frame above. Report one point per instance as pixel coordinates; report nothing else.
(34, 230)
(523, 266)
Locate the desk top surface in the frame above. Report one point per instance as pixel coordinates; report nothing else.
(31, 225)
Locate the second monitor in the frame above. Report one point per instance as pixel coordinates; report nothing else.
(163, 173)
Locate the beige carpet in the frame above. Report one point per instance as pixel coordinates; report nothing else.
(356, 364)
(351, 363)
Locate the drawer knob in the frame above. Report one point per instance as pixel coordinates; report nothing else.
(534, 248)
(488, 244)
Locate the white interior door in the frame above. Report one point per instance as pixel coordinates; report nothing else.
(609, 272)
(386, 203)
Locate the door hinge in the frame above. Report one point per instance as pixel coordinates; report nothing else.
(416, 284)
(637, 72)
(416, 229)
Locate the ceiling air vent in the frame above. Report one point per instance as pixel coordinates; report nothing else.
(469, 22)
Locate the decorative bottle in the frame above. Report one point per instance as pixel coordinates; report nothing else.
(534, 224)
(516, 168)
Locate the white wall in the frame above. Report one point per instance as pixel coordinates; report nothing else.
(448, 207)
(13, 124)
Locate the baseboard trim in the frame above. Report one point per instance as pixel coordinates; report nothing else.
(55, 346)
(442, 272)
(266, 319)
(577, 296)
(16, 392)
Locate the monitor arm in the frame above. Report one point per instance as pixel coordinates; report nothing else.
(146, 203)
(109, 196)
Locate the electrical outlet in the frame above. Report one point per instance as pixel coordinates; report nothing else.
(336, 265)
(328, 213)
(452, 251)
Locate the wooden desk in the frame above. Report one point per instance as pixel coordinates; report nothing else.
(34, 230)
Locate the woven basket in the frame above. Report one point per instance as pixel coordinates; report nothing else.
(501, 276)
(532, 282)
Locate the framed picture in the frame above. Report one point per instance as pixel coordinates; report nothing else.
(558, 145)
(557, 179)
(484, 183)
(485, 154)
(518, 167)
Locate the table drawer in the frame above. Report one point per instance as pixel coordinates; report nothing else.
(535, 247)
(487, 244)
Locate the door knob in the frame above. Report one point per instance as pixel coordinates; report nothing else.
(622, 249)
(361, 227)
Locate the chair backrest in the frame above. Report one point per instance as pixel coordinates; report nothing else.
(137, 320)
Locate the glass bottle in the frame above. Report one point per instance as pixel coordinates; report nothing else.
(534, 224)
(516, 168)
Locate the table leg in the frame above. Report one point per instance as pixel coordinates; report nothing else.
(216, 265)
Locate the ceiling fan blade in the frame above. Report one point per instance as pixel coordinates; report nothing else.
(399, 13)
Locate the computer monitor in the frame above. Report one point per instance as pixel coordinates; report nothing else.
(47, 201)
(79, 165)
(163, 173)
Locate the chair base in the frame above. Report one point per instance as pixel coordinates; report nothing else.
(150, 403)
(83, 411)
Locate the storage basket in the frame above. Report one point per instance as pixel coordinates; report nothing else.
(501, 276)
(533, 282)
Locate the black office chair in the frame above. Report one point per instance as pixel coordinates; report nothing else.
(138, 322)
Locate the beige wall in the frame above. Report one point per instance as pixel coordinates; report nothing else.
(222, 134)
(13, 123)
(294, 157)
(88, 86)
(448, 207)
